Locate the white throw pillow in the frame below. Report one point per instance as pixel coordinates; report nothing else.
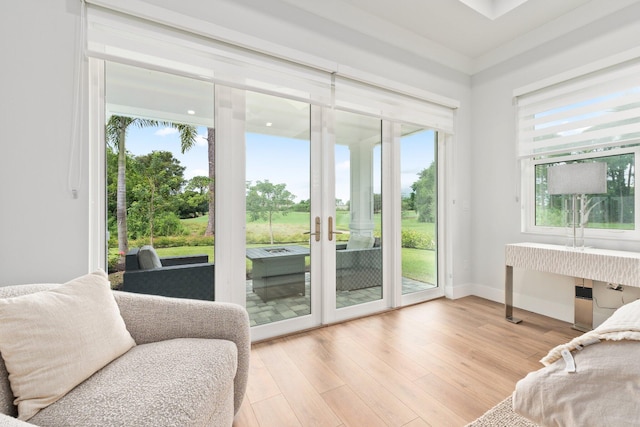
(148, 258)
(360, 242)
(53, 340)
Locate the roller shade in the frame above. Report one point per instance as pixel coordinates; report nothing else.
(594, 111)
(356, 96)
(151, 42)
(127, 39)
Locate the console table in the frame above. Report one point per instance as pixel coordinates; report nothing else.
(618, 267)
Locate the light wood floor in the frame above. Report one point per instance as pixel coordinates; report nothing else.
(440, 363)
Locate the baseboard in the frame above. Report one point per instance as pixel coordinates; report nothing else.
(460, 291)
(546, 307)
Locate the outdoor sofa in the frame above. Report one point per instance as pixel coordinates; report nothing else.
(358, 264)
(178, 276)
(184, 362)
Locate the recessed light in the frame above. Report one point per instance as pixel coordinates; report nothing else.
(191, 112)
(269, 124)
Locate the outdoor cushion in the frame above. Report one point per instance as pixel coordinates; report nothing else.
(148, 258)
(53, 340)
(360, 242)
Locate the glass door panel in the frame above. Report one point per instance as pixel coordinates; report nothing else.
(160, 175)
(358, 192)
(278, 223)
(418, 164)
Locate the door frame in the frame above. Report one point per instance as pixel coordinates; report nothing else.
(230, 191)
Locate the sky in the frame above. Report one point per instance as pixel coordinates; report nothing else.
(282, 160)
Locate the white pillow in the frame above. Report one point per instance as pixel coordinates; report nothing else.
(53, 340)
(148, 258)
(360, 242)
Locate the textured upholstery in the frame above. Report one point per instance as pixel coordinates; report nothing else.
(358, 268)
(179, 277)
(140, 388)
(213, 336)
(88, 333)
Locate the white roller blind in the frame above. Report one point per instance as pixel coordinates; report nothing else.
(597, 110)
(146, 42)
(123, 38)
(356, 96)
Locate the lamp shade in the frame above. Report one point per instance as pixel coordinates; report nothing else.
(577, 178)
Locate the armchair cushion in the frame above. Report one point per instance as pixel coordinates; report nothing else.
(53, 340)
(140, 388)
(148, 258)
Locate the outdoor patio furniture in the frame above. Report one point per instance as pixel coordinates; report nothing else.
(278, 271)
(358, 268)
(178, 277)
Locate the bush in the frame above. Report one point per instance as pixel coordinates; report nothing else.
(172, 241)
(417, 240)
(113, 258)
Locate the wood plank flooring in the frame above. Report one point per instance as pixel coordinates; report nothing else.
(439, 363)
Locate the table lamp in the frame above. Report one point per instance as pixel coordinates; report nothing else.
(577, 180)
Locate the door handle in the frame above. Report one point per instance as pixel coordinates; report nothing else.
(317, 233)
(331, 232)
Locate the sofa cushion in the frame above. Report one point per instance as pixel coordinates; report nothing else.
(148, 258)
(53, 340)
(178, 382)
(360, 242)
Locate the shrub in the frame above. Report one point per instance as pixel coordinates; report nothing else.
(113, 258)
(415, 239)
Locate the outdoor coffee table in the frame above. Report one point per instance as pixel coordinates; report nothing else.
(278, 271)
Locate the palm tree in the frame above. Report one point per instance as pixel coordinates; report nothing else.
(116, 135)
(211, 143)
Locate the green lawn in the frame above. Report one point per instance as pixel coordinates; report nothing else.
(417, 264)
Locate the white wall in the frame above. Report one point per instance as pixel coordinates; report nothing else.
(496, 212)
(44, 231)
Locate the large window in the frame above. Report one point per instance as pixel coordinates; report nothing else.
(614, 210)
(595, 117)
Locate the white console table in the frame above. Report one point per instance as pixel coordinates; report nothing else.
(604, 265)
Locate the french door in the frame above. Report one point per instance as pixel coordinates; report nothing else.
(291, 183)
(320, 208)
(320, 214)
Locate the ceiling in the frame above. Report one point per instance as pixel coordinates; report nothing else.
(468, 35)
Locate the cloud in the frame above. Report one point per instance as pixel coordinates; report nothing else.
(190, 173)
(201, 140)
(166, 131)
(345, 166)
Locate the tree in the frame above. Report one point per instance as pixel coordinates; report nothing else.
(264, 200)
(211, 144)
(194, 201)
(160, 178)
(425, 194)
(377, 203)
(116, 137)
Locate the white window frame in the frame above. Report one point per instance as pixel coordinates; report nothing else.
(529, 192)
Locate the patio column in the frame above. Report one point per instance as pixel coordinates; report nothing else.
(361, 196)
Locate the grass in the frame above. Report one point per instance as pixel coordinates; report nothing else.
(417, 264)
